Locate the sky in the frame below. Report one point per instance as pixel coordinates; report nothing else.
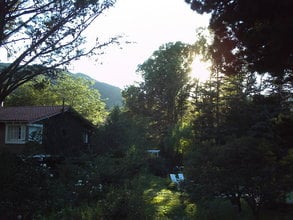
(148, 24)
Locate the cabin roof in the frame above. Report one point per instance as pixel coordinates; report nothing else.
(29, 114)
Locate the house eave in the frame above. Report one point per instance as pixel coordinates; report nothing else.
(14, 122)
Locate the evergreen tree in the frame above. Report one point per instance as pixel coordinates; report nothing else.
(236, 152)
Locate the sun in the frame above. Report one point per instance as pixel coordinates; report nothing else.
(200, 69)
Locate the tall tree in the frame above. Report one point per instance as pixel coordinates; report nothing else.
(41, 36)
(254, 33)
(162, 96)
(166, 83)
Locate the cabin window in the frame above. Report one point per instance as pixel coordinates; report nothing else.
(35, 133)
(15, 134)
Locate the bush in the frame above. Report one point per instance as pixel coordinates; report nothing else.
(158, 166)
(22, 187)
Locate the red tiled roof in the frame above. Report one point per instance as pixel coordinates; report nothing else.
(29, 113)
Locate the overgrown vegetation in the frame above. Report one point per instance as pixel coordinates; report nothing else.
(232, 134)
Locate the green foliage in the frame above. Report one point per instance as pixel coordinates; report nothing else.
(114, 133)
(120, 134)
(96, 187)
(82, 213)
(158, 166)
(161, 100)
(125, 202)
(111, 95)
(79, 94)
(82, 188)
(165, 202)
(237, 151)
(66, 89)
(177, 142)
(235, 136)
(166, 84)
(22, 186)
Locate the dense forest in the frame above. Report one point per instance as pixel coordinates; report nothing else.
(230, 136)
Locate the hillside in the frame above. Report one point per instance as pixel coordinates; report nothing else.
(110, 94)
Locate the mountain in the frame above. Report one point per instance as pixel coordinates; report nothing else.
(110, 94)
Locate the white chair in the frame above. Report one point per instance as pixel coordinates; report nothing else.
(180, 176)
(173, 178)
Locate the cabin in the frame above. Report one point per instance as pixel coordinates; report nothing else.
(56, 129)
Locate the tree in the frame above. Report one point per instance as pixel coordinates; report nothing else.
(120, 134)
(166, 84)
(134, 100)
(67, 89)
(206, 110)
(245, 167)
(163, 95)
(253, 33)
(42, 36)
(241, 147)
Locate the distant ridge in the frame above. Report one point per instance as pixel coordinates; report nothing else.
(110, 94)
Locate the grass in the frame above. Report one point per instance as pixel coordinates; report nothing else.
(166, 201)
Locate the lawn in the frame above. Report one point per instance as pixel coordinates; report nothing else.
(166, 201)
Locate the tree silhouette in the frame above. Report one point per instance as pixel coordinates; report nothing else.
(42, 36)
(253, 33)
